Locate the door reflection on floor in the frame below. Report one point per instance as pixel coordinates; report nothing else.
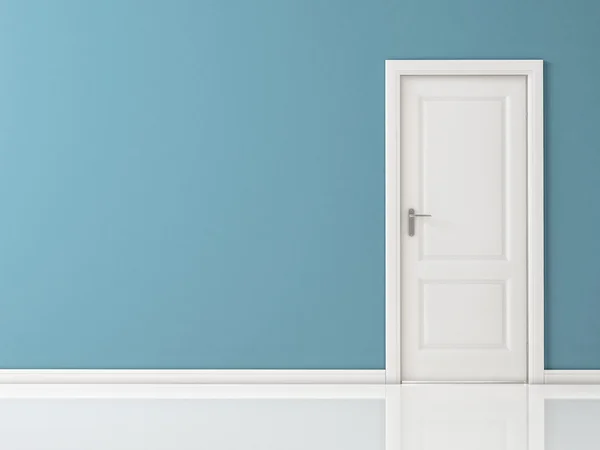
(464, 417)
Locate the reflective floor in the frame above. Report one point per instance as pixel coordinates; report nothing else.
(414, 417)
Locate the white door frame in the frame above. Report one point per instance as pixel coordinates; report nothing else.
(534, 71)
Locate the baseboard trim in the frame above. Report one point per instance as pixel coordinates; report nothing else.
(237, 377)
(572, 377)
(51, 376)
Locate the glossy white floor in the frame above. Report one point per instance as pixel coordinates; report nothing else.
(423, 417)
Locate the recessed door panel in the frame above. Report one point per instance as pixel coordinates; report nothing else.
(485, 301)
(458, 131)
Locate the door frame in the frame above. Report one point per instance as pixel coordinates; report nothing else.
(533, 70)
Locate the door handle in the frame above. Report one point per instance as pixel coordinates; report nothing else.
(411, 220)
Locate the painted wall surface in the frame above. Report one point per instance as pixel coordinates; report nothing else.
(199, 183)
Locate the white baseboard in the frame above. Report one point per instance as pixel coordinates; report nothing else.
(237, 377)
(572, 377)
(14, 376)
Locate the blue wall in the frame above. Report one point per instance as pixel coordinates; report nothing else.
(199, 183)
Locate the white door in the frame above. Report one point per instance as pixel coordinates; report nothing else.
(463, 143)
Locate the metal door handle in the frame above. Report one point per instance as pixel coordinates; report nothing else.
(411, 220)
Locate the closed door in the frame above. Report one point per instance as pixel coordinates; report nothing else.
(464, 270)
